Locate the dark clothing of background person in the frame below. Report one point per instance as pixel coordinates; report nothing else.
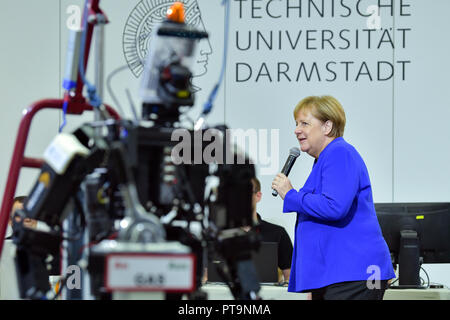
(270, 232)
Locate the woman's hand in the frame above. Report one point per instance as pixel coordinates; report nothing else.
(282, 184)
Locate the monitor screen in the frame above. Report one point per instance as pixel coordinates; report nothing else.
(431, 221)
(265, 261)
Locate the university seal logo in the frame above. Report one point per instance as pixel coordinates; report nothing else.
(140, 23)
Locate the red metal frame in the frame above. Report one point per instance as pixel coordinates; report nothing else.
(76, 106)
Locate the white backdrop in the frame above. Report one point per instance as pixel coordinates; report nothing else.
(392, 81)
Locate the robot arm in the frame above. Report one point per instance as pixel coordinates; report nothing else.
(68, 159)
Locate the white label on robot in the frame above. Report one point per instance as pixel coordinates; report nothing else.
(61, 151)
(150, 272)
(56, 158)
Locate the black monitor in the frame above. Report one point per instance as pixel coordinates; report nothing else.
(265, 261)
(415, 233)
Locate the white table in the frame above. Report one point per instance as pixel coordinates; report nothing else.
(219, 291)
(417, 294)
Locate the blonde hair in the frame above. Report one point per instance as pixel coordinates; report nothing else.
(324, 108)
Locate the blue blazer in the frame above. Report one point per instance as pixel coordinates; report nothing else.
(337, 234)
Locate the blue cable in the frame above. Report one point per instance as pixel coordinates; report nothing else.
(65, 105)
(209, 103)
(94, 99)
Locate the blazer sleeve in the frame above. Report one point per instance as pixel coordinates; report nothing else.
(339, 180)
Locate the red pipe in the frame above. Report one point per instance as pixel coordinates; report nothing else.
(32, 163)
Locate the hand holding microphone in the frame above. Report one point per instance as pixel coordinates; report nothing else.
(281, 183)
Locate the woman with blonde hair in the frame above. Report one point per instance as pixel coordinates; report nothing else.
(339, 250)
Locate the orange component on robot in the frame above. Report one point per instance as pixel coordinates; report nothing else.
(176, 12)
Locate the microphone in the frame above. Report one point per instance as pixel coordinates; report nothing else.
(293, 155)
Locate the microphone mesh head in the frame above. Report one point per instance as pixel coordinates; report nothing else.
(295, 151)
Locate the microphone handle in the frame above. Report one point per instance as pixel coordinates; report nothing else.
(288, 166)
(286, 169)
